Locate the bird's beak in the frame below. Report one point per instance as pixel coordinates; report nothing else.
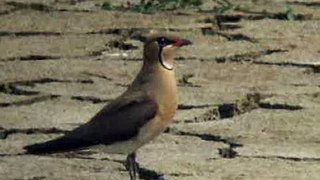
(182, 42)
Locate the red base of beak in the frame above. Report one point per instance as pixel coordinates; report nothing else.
(182, 42)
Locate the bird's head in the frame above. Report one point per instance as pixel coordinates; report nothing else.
(161, 48)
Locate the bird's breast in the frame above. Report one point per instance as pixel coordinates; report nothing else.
(161, 87)
(165, 95)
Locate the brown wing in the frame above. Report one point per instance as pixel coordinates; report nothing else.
(118, 121)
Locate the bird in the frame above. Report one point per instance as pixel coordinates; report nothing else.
(137, 116)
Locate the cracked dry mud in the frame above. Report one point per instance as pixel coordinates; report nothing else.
(249, 91)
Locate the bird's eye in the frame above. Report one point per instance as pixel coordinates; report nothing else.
(162, 41)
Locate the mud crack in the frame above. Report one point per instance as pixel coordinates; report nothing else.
(31, 58)
(245, 57)
(251, 102)
(135, 33)
(297, 159)
(106, 78)
(229, 36)
(259, 15)
(308, 4)
(37, 178)
(14, 89)
(29, 33)
(185, 81)
(94, 100)
(51, 80)
(5, 133)
(180, 174)
(253, 56)
(280, 106)
(118, 44)
(228, 152)
(33, 6)
(250, 56)
(315, 68)
(29, 101)
(97, 52)
(205, 137)
(8, 11)
(98, 75)
(38, 7)
(188, 107)
(139, 33)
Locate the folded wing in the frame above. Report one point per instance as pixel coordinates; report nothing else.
(118, 121)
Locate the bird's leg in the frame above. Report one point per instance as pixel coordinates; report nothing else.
(132, 166)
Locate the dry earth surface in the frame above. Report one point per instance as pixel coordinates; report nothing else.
(249, 92)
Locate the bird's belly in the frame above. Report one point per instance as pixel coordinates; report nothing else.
(151, 130)
(124, 147)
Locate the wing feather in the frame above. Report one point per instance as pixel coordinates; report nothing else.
(118, 121)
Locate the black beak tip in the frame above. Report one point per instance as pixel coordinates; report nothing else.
(186, 42)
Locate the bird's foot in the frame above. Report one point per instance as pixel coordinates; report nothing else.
(132, 166)
(134, 169)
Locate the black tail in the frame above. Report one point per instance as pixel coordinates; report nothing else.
(57, 145)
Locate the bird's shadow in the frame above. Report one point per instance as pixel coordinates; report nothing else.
(149, 174)
(144, 173)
